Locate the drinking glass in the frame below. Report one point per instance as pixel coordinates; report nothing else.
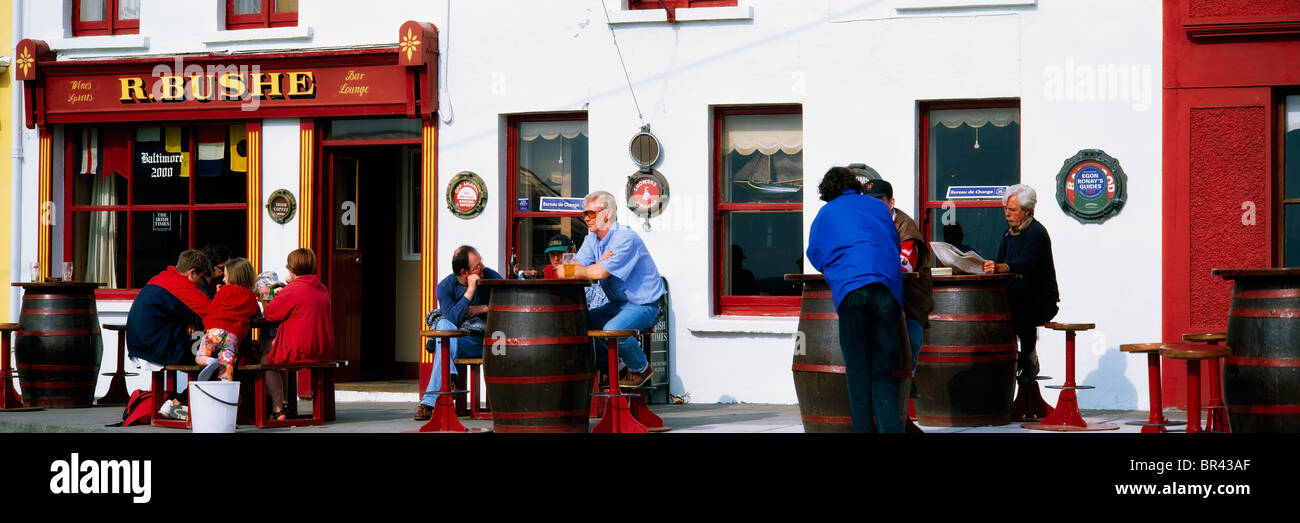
(569, 265)
(67, 271)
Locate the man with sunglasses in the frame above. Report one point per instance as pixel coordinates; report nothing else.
(614, 254)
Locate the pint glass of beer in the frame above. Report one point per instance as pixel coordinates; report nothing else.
(569, 265)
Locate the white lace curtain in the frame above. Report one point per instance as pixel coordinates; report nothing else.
(954, 118)
(244, 7)
(529, 131)
(763, 133)
(1292, 113)
(101, 241)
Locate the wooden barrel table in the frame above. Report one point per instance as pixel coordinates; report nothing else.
(966, 373)
(538, 362)
(1261, 379)
(819, 380)
(59, 347)
(818, 367)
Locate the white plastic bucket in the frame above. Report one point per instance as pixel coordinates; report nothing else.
(214, 405)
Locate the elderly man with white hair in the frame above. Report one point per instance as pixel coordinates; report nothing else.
(614, 254)
(1026, 249)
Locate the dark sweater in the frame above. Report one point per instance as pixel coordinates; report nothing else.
(1034, 296)
(159, 316)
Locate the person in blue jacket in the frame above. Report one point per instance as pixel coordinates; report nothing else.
(459, 299)
(854, 243)
(169, 310)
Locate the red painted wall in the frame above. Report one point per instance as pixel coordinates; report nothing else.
(1227, 64)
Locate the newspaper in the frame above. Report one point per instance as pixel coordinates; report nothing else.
(968, 262)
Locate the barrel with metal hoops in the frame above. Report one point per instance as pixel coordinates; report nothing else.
(818, 367)
(1261, 379)
(966, 373)
(59, 348)
(538, 361)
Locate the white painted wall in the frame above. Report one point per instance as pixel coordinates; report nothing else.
(858, 68)
(280, 164)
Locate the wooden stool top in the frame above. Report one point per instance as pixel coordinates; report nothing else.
(1070, 326)
(1205, 337)
(623, 333)
(1193, 351)
(9, 327)
(114, 327)
(444, 334)
(468, 361)
(1141, 348)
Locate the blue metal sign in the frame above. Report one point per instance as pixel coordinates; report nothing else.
(550, 203)
(976, 192)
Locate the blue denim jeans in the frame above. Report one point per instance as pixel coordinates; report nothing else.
(466, 347)
(914, 334)
(622, 315)
(868, 340)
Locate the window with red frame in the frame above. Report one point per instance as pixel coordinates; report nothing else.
(757, 209)
(138, 196)
(966, 144)
(105, 17)
(251, 14)
(678, 4)
(548, 154)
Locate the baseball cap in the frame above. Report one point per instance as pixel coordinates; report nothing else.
(558, 243)
(877, 188)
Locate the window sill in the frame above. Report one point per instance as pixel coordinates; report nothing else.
(743, 325)
(909, 6)
(618, 16)
(257, 35)
(97, 43)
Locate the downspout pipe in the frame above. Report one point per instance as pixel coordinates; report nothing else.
(16, 175)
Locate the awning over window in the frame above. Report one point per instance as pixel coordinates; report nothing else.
(953, 118)
(763, 133)
(529, 131)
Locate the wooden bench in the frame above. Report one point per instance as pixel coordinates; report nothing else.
(322, 385)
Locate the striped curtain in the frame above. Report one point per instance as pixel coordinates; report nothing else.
(101, 247)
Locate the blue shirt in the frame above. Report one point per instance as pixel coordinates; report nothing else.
(854, 243)
(633, 276)
(451, 296)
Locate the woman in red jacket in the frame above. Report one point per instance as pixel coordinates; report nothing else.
(306, 331)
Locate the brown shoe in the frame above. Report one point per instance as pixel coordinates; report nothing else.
(637, 379)
(423, 412)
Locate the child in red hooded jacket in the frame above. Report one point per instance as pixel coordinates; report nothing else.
(228, 321)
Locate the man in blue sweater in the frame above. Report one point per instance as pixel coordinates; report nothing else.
(854, 243)
(459, 299)
(1026, 249)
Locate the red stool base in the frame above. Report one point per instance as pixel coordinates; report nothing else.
(117, 395)
(444, 417)
(1070, 428)
(1029, 404)
(619, 419)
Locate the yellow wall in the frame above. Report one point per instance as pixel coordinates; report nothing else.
(8, 125)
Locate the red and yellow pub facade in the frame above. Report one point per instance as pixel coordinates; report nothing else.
(141, 158)
(1231, 153)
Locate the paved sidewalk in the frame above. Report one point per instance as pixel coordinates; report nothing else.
(395, 417)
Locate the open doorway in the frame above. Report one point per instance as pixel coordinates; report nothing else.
(371, 256)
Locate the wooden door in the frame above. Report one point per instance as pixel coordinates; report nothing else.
(1218, 207)
(345, 262)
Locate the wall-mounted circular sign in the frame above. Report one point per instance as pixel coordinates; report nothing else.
(281, 205)
(647, 193)
(1091, 186)
(466, 195)
(645, 149)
